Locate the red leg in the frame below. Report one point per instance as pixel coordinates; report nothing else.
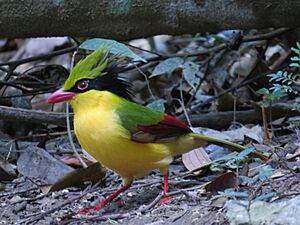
(108, 199)
(166, 183)
(166, 189)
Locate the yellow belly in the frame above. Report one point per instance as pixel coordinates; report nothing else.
(99, 132)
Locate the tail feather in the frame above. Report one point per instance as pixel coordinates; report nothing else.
(227, 144)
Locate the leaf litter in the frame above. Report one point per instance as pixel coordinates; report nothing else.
(197, 198)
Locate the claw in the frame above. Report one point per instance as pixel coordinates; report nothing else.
(164, 200)
(166, 189)
(84, 211)
(102, 204)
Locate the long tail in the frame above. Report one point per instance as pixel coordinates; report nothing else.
(227, 144)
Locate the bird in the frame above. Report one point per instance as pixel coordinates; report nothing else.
(128, 138)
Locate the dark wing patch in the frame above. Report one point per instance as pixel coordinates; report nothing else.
(167, 130)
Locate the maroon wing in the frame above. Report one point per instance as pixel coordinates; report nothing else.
(167, 130)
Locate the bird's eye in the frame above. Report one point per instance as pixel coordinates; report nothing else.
(82, 85)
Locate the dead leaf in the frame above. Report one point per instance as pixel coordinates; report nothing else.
(219, 202)
(46, 202)
(262, 147)
(232, 135)
(254, 133)
(196, 159)
(87, 156)
(244, 64)
(274, 51)
(7, 172)
(38, 46)
(15, 199)
(245, 169)
(236, 135)
(220, 66)
(72, 160)
(36, 163)
(279, 121)
(225, 102)
(222, 182)
(93, 172)
(294, 155)
(279, 173)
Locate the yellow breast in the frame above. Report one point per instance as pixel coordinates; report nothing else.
(99, 131)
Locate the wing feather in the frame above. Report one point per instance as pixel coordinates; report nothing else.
(148, 126)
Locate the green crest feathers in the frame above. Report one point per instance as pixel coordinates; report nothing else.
(89, 68)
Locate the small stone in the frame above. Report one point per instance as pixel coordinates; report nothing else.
(20, 206)
(285, 212)
(15, 199)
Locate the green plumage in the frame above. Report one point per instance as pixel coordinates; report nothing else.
(89, 68)
(132, 115)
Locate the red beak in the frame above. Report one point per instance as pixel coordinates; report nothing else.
(60, 96)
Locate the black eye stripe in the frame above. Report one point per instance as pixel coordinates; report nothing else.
(109, 82)
(112, 83)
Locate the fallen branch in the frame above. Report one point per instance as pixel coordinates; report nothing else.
(32, 116)
(216, 120)
(124, 20)
(221, 120)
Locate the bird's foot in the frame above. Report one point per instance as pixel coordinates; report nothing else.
(84, 211)
(164, 200)
(166, 189)
(101, 205)
(106, 201)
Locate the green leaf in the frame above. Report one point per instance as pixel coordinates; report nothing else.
(295, 50)
(265, 172)
(117, 48)
(266, 196)
(294, 65)
(167, 66)
(227, 157)
(263, 91)
(233, 164)
(157, 105)
(275, 76)
(218, 39)
(191, 73)
(295, 58)
(230, 193)
(217, 167)
(245, 152)
(277, 95)
(247, 180)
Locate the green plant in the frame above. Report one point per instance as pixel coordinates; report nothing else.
(283, 82)
(230, 193)
(232, 161)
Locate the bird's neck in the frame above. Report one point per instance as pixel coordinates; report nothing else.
(94, 99)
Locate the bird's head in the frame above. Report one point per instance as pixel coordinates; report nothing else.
(95, 72)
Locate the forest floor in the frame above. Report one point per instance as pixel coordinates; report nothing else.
(22, 201)
(237, 85)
